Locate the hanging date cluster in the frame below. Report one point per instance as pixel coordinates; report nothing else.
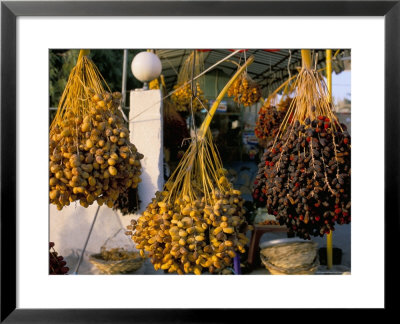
(57, 263)
(304, 177)
(270, 117)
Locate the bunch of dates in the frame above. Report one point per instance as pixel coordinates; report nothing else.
(304, 177)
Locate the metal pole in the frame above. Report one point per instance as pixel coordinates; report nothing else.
(124, 64)
(87, 240)
(236, 265)
(123, 87)
(329, 253)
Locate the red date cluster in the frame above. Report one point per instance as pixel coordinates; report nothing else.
(57, 264)
(267, 125)
(304, 178)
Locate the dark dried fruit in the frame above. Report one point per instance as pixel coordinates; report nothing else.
(314, 177)
(57, 264)
(269, 120)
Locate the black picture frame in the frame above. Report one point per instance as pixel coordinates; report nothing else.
(10, 10)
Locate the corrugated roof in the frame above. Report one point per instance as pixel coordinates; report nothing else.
(269, 69)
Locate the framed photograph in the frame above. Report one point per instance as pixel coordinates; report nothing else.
(30, 29)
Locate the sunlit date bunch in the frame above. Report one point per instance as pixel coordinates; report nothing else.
(185, 99)
(245, 91)
(190, 235)
(91, 156)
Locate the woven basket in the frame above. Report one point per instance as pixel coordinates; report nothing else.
(291, 258)
(116, 266)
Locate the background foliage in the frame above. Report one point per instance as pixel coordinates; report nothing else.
(109, 62)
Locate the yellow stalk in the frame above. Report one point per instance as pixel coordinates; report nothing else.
(306, 58)
(329, 249)
(329, 72)
(83, 52)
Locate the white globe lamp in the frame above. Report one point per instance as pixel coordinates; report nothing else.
(146, 66)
